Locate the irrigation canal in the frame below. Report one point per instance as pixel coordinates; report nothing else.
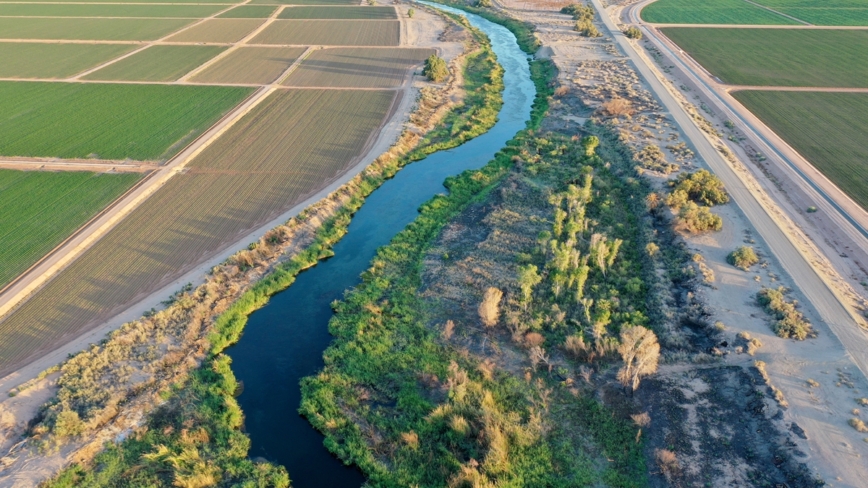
(284, 341)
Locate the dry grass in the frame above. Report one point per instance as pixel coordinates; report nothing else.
(357, 67)
(218, 30)
(331, 33)
(258, 65)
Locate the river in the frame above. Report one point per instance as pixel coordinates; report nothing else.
(284, 341)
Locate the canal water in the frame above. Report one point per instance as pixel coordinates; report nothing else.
(284, 341)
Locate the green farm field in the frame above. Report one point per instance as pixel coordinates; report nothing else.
(361, 13)
(710, 12)
(51, 60)
(40, 209)
(249, 12)
(830, 16)
(826, 128)
(157, 63)
(255, 65)
(109, 121)
(89, 29)
(331, 33)
(289, 146)
(778, 57)
(357, 67)
(87, 10)
(218, 30)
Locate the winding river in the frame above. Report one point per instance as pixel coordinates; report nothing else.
(284, 341)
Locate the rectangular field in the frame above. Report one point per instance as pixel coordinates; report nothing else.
(830, 16)
(249, 12)
(218, 30)
(826, 128)
(256, 65)
(304, 2)
(157, 63)
(108, 121)
(710, 12)
(89, 29)
(294, 143)
(778, 57)
(47, 60)
(358, 13)
(357, 67)
(331, 33)
(85, 10)
(40, 209)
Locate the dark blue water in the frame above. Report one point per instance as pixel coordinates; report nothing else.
(284, 341)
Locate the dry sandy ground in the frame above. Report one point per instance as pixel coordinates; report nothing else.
(833, 449)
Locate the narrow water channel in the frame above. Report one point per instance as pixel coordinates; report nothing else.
(284, 341)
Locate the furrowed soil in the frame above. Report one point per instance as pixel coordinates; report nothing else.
(331, 33)
(357, 67)
(258, 65)
(361, 13)
(39, 60)
(218, 30)
(778, 57)
(157, 63)
(249, 12)
(268, 162)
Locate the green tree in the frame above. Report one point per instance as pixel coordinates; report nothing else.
(411, 13)
(695, 218)
(528, 277)
(744, 257)
(701, 187)
(633, 32)
(435, 68)
(590, 144)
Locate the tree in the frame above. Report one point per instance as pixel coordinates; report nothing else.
(411, 13)
(590, 144)
(435, 68)
(701, 187)
(694, 218)
(744, 257)
(633, 32)
(489, 309)
(640, 351)
(528, 277)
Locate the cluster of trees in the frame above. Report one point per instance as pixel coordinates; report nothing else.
(584, 16)
(789, 321)
(435, 68)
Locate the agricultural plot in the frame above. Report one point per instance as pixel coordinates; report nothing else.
(358, 13)
(249, 12)
(710, 12)
(50, 60)
(331, 33)
(830, 16)
(114, 10)
(218, 30)
(357, 67)
(157, 63)
(826, 128)
(304, 2)
(41, 209)
(295, 142)
(250, 65)
(778, 57)
(89, 29)
(108, 121)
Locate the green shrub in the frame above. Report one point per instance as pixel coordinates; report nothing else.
(789, 322)
(435, 68)
(696, 219)
(633, 32)
(701, 187)
(744, 257)
(587, 28)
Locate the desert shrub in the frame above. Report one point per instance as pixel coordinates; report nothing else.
(587, 28)
(694, 218)
(667, 461)
(653, 159)
(862, 401)
(410, 13)
(435, 68)
(640, 351)
(701, 187)
(789, 322)
(744, 257)
(489, 309)
(858, 424)
(617, 107)
(68, 424)
(633, 32)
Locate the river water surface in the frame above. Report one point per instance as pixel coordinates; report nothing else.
(284, 341)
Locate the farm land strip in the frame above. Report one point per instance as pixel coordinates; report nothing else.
(305, 2)
(335, 13)
(217, 30)
(701, 12)
(89, 29)
(41, 208)
(292, 144)
(826, 128)
(157, 63)
(51, 60)
(249, 12)
(107, 10)
(331, 33)
(250, 64)
(786, 57)
(107, 121)
(357, 67)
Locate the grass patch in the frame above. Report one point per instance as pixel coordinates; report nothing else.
(362, 13)
(331, 33)
(249, 12)
(157, 63)
(778, 57)
(72, 10)
(141, 122)
(826, 128)
(710, 12)
(218, 30)
(250, 65)
(89, 29)
(45, 60)
(40, 209)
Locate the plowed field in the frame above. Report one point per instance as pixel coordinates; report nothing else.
(331, 33)
(249, 12)
(157, 63)
(256, 65)
(364, 13)
(357, 67)
(218, 30)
